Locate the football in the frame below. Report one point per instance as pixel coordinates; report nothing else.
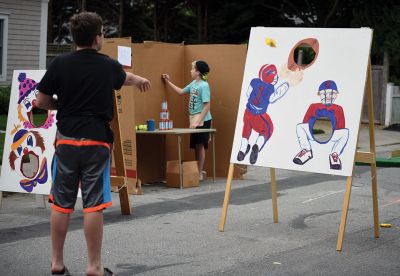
(309, 59)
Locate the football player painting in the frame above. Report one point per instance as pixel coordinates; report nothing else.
(262, 91)
(328, 93)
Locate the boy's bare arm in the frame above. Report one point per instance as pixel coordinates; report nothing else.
(141, 83)
(46, 102)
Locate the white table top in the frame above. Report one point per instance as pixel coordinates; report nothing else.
(177, 131)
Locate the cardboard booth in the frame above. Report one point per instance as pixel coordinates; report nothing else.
(146, 156)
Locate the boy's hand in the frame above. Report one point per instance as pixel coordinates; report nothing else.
(143, 84)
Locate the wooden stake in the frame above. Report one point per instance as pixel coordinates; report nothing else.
(273, 195)
(345, 209)
(372, 150)
(120, 164)
(366, 157)
(226, 198)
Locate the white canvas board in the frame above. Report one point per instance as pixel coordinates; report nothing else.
(28, 148)
(278, 107)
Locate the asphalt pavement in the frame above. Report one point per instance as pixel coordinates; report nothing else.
(175, 232)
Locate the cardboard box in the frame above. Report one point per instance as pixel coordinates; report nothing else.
(190, 174)
(126, 113)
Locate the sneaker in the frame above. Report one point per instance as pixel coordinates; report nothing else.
(204, 174)
(242, 154)
(302, 157)
(334, 161)
(254, 154)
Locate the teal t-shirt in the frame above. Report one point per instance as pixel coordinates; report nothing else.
(199, 92)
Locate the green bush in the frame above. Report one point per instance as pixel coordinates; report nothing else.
(5, 93)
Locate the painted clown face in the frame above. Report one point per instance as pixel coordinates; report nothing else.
(27, 103)
(27, 159)
(27, 97)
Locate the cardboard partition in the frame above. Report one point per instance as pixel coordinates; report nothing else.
(226, 73)
(150, 60)
(126, 111)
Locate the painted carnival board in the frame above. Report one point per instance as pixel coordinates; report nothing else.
(28, 148)
(281, 101)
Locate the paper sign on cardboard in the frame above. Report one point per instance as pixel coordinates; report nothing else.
(125, 56)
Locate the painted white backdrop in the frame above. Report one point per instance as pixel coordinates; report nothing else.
(343, 57)
(24, 138)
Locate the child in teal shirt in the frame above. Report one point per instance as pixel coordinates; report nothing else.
(199, 108)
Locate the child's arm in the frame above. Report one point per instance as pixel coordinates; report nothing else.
(167, 80)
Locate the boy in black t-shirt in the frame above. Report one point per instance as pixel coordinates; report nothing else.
(84, 82)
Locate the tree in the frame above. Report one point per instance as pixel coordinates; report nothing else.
(384, 19)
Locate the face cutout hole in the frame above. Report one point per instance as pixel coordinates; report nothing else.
(304, 55)
(322, 130)
(38, 117)
(29, 165)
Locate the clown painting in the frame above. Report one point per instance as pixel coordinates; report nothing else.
(27, 102)
(28, 160)
(28, 147)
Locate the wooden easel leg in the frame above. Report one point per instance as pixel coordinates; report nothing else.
(372, 150)
(124, 201)
(375, 200)
(273, 195)
(226, 198)
(345, 209)
(120, 162)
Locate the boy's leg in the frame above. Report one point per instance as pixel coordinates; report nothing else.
(93, 228)
(200, 157)
(59, 227)
(96, 195)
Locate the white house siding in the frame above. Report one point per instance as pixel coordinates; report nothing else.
(23, 35)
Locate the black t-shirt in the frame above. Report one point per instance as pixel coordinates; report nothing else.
(84, 82)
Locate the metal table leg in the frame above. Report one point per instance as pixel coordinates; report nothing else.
(213, 139)
(180, 162)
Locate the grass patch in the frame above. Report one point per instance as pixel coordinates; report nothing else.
(3, 121)
(38, 118)
(2, 138)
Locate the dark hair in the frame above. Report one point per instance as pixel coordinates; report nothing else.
(202, 67)
(84, 28)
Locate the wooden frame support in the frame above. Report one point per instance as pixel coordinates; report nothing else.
(226, 198)
(120, 180)
(365, 157)
(273, 195)
(228, 194)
